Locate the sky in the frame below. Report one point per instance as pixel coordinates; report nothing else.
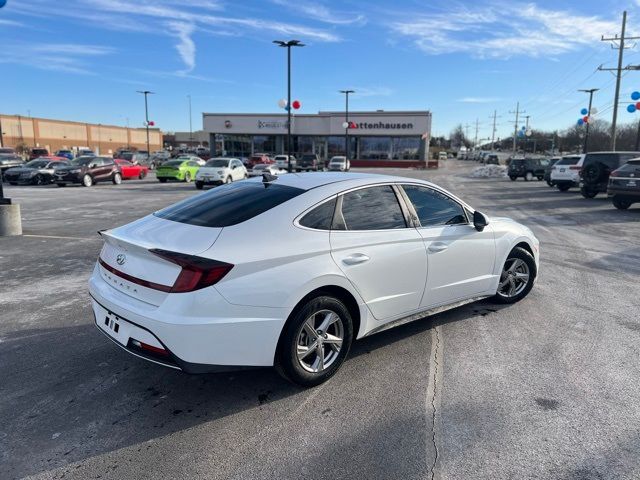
(84, 60)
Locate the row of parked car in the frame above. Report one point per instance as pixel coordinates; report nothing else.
(615, 173)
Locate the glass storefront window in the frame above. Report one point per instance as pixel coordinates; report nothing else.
(302, 145)
(235, 146)
(375, 148)
(406, 148)
(335, 146)
(264, 144)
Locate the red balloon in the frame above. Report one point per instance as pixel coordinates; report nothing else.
(585, 119)
(296, 104)
(638, 105)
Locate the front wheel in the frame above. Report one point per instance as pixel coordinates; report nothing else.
(62, 185)
(117, 179)
(540, 178)
(228, 179)
(87, 181)
(187, 177)
(621, 204)
(38, 180)
(142, 174)
(162, 180)
(517, 277)
(513, 179)
(199, 185)
(528, 177)
(315, 341)
(563, 187)
(588, 192)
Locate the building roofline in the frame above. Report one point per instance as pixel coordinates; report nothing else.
(321, 113)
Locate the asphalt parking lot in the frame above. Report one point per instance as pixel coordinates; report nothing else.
(546, 388)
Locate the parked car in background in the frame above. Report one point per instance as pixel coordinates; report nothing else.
(492, 159)
(596, 168)
(257, 159)
(549, 168)
(128, 170)
(340, 163)
(65, 154)
(282, 161)
(624, 185)
(181, 169)
(38, 152)
(39, 171)
(220, 170)
(88, 171)
(270, 168)
(192, 158)
(86, 152)
(203, 153)
(9, 160)
(7, 151)
(527, 168)
(566, 172)
(308, 162)
(158, 158)
(442, 156)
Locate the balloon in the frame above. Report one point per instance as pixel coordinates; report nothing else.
(585, 119)
(296, 104)
(282, 103)
(345, 125)
(594, 110)
(635, 96)
(3, 3)
(580, 122)
(631, 108)
(523, 127)
(528, 133)
(584, 111)
(638, 106)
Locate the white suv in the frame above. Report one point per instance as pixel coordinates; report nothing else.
(283, 162)
(566, 172)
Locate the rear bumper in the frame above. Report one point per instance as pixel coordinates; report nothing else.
(201, 331)
(630, 193)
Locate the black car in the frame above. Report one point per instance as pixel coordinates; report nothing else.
(89, 171)
(9, 160)
(308, 161)
(547, 171)
(624, 185)
(35, 172)
(527, 168)
(596, 168)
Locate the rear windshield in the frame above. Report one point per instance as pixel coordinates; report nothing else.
(38, 151)
(569, 161)
(218, 162)
(517, 162)
(229, 204)
(173, 163)
(630, 167)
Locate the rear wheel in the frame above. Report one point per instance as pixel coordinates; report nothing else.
(540, 178)
(116, 179)
(13, 183)
(517, 277)
(199, 185)
(621, 204)
(87, 181)
(62, 184)
(588, 192)
(187, 177)
(228, 179)
(513, 179)
(38, 180)
(550, 183)
(315, 341)
(563, 187)
(142, 174)
(528, 177)
(162, 180)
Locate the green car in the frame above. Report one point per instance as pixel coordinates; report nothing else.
(181, 169)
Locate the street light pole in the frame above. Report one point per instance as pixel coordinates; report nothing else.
(586, 135)
(146, 115)
(190, 124)
(288, 45)
(346, 120)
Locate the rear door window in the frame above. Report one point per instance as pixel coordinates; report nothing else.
(434, 208)
(229, 204)
(372, 208)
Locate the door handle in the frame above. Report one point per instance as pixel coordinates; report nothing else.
(438, 247)
(355, 259)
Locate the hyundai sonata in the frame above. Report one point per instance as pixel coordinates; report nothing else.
(288, 271)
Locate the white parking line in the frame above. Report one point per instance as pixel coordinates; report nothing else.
(59, 237)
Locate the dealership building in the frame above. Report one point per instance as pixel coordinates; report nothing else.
(376, 139)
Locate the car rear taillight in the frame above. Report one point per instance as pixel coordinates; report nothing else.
(196, 273)
(575, 167)
(615, 173)
(149, 348)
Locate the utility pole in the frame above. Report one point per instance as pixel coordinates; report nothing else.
(190, 125)
(586, 135)
(475, 141)
(493, 130)
(146, 115)
(466, 132)
(515, 127)
(617, 44)
(346, 121)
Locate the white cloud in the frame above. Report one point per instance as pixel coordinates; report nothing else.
(316, 11)
(185, 47)
(62, 57)
(502, 30)
(11, 23)
(376, 91)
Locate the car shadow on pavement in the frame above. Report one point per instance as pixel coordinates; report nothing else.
(67, 394)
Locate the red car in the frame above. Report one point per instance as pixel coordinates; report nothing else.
(257, 159)
(129, 170)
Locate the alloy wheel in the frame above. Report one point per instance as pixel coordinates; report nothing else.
(514, 279)
(320, 341)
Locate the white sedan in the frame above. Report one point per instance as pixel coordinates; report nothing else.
(261, 168)
(220, 170)
(186, 287)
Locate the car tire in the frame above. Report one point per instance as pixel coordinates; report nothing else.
(621, 204)
(563, 187)
(38, 180)
(540, 178)
(513, 179)
(116, 179)
(199, 185)
(513, 286)
(228, 179)
(87, 181)
(298, 334)
(528, 177)
(550, 183)
(62, 185)
(142, 175)
(588, 192)
(187, 177)
(13, 183)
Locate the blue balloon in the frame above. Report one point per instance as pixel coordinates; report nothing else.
(584, 111)
(631, 108)
(523, 127)
(3, 3)
(580, 122)
(635, 96)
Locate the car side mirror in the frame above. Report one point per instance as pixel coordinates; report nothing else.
(479, 221)
(92, 165)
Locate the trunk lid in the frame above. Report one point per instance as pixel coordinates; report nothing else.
(131, 267)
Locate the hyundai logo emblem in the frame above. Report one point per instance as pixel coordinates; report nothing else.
(120, 259)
